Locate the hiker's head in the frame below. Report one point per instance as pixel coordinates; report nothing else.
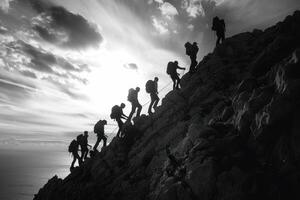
(155, 79)
(194, 43)
(137, 89)
(176, 62)
(85, 133)
(104, 122)
(122, 105)
(187, 44)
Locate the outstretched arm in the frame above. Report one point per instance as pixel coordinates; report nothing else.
(181, 68)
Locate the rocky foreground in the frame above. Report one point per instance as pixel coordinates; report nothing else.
(233, 131)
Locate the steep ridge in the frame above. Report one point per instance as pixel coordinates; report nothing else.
(233, 131)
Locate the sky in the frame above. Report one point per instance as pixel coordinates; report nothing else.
(65, 63)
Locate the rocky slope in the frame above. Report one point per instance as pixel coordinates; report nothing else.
(233, 131)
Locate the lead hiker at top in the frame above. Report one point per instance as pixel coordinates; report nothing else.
(219, 26)
(151, 88)
(118, 115)
(172, 71)
(133, 99)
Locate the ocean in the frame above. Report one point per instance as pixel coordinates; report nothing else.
(23, 172)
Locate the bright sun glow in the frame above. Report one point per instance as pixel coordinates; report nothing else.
(110, 80)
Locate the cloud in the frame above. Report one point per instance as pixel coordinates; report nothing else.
(168, 10)
(20, 55)
(160, 26)
(3, 30)
(4, 5)
(28, 74)
(131, 66)
(15, 92)
(57, 25)
(66, 88)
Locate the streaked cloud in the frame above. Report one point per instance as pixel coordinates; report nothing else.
(57, 25)
(131, 66)
(168, 10)
(160, 25)
(4, 5)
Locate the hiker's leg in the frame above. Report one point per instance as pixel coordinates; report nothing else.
(223, 37)
(174, 83)
(156, 100)
(97, 143)
(120, 124)
(151, 104)
(104, 141)
(139, 106)
(218, 40)
(193, 63)
(82, 154)
(132, 111)
(85, 154)
(77, 157)
(178, 82)
(73, 161)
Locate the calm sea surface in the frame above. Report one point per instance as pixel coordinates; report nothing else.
(24, 172)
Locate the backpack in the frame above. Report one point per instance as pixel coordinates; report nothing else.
(73, 146)
(150, 86)
(115, 112)
(80, 139)
(195, 48)
(170, 68)
(98, 128)
(222, 24)
(188, 48)
(215, 23)
(131, 95)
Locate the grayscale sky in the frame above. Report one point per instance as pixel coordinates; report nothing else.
(65, 63)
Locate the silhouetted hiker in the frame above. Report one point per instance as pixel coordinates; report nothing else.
(219, 26)
(151, 88)
(191, 50)
(73, 149)
(99, 130)
(118, 115)
(83, 142)
(133, 99)
(172, 71)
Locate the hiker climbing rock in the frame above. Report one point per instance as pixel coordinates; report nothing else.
(83, 143)
(219, 26)
(172, 71)
(99, 130)
(151, 88)
(191, 50)
(133, 99)
(118, 115)
(73, 149)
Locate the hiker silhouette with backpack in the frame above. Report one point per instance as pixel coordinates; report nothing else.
(99, 130)
(73, 149)
(219, 26)
(151, 88)
(191, 50)
(118, 115)
(172, 71)
(82, 139)
(133, 99)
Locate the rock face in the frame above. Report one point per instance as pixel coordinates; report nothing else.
(233, 131)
